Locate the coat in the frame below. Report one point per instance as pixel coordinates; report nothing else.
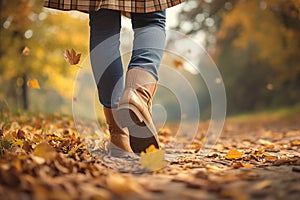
(135, 6)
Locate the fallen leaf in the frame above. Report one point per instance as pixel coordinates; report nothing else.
(238, 165)
(72, 57)
(246, 165)
(33, 83)
(44, 150)
(268, 156)
(233, 154)
(153, 159)
(17, 143)
(76, 148)
(295, 143)
(151, 149)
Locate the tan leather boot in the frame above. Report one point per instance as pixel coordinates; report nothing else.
(119, 140)
(134, 109)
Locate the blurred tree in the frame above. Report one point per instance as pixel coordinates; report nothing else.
(46, 33)
(256, 45)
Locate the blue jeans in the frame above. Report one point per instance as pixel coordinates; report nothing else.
(148, 48)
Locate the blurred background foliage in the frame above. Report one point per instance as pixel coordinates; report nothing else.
(255, 44)
(46, 34)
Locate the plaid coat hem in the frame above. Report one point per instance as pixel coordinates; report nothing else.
(135, 6)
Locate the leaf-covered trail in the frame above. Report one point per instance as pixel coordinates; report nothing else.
(43, 157)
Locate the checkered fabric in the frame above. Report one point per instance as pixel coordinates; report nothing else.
(135, 6)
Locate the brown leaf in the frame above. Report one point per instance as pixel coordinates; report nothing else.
(237, 165)
(295, 143)
(20, 134)
(72, 57)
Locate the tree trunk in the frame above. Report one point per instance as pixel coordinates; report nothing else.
(25, 92)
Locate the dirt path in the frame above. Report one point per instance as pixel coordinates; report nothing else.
(44, 158)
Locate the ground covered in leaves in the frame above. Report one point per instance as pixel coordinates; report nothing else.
(44, 157)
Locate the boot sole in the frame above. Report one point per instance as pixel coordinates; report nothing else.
(142, 135)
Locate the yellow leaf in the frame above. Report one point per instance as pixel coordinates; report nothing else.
(9, 137)
(72, 57)
(33, 83)
(76, 148)
(234, 154)
(17, 143)
(151, 149)
(44, 150)
(153, 159)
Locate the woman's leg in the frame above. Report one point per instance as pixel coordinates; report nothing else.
(149, 41)
(107, 68)
(134, 109)
(105, 55)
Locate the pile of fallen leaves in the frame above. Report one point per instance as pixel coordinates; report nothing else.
(44, 157)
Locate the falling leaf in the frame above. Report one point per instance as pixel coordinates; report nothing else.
(234, 154)
(44, 150)
(153, 159)
(33, 83)
(72, 57)
(26, 51)
(177, 63)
